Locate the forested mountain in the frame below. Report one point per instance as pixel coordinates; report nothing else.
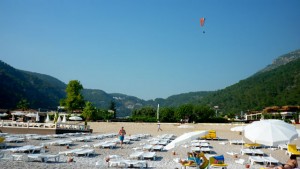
(277, 84)
(39, 90)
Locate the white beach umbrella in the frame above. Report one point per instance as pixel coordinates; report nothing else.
(58, 119)
(37, 117)
(3, 115)
(64, 119)
(270, 132)
(47, 118)
(75, 118)
(30, 115)
(18, 113)
(185, 138)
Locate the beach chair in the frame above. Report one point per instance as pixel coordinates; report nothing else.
(4, 155)
(2, 142)
(269, 160)
(256, 159)
(212, 135)
(252, 145)
(136, 155)
(217, 162)
(292, 150)
(157, 147)
(85, 152)
(147, 147)
(135, 163)
(149, 155)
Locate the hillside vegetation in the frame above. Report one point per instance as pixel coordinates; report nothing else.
(278, 84)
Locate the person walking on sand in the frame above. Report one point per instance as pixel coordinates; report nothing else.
(122, 133)
(158, 126)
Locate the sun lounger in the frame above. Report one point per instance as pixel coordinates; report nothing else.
(147, 147)
(149, 155)
(27, 148)
(14, 139)
(71, 152)
(205, 149)
(292, 149)
(85, 152)
(251, 151)
(99, 144)
(256, 159)
(110, 145)
(136, 155)
(195, 149)
(157, 147)
(2, 142)
(252, 145)
(270, 160)
(43, 157)
(135, 163)
(238, 142)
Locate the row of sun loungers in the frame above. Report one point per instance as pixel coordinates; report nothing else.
(263, 159)
(78, 152)
(252, 151)
(23, 149)
(143, 155)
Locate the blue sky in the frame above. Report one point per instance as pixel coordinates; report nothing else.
(148, 48)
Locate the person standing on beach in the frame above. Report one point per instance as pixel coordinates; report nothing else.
(158, 126)
(122, 133)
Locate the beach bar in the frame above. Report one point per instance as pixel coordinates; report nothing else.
(42, 128)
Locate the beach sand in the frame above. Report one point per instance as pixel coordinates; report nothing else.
(165, 159)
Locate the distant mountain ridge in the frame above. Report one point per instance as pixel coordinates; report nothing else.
(278, 83)
(282, 60)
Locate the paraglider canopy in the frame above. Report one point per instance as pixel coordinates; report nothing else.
(202, 21)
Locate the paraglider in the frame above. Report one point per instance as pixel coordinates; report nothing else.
(202, 21)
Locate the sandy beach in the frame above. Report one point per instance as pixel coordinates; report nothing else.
(165, 159)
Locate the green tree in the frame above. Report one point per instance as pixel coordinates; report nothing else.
(112, 107)
(23, 104)
(88, 111)
(74, 99)
(166, 114)
(184, 111)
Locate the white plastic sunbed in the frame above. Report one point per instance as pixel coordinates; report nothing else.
(147, 147)
(256, 159)
(149, 155)
(270, 160)
(136, 155)
(85, 152)
(99, 144)
(109, 145)
(43, 157)
(251, 151)
(157, 147)
(70, 151)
